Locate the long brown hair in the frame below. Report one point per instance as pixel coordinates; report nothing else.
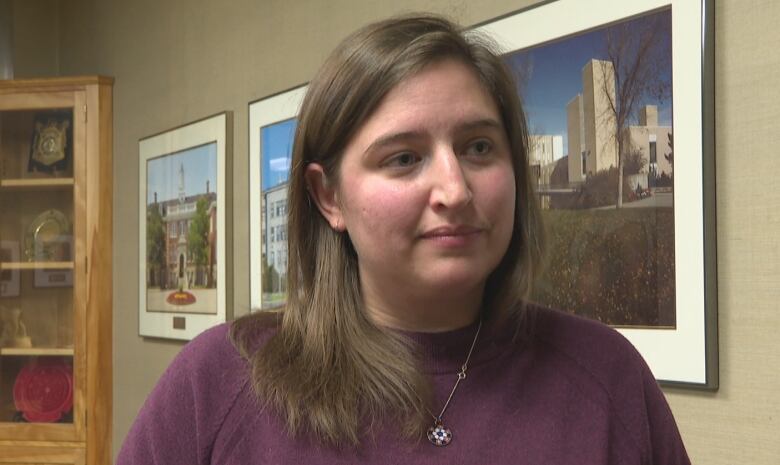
(328, 369)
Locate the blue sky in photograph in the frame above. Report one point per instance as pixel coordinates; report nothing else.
(556, 78)
(276, 151)
(162, 173)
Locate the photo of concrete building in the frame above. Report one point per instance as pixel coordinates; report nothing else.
(591, 124)
(601, 152)
(591, 130)
(653, 141)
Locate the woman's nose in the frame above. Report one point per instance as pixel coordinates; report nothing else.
(450, 187)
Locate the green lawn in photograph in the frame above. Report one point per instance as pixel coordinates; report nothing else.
(613, 265)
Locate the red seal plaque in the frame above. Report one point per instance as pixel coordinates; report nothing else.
(181, 298)
(43, 392)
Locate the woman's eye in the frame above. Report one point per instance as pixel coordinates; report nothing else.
(403, 160)
(479, 147)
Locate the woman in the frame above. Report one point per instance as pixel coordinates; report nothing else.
(414, 238)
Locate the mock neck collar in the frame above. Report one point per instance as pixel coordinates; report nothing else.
(445, 352)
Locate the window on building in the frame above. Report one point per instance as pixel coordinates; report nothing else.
(272, 236)
(652, 152)
(584, 160)
(172, 229)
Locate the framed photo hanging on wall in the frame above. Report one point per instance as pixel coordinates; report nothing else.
(10, 279)
(272, 123)
(184, 246)
(619, 102)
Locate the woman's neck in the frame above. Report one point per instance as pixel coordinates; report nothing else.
(411, 310)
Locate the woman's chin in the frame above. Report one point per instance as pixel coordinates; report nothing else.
(453, 282)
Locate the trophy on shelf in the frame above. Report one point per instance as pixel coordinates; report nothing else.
(47, 237)
(14, 332)
(43, 392)
(51, 144)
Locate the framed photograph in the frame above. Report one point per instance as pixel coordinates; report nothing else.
(619, 101)
(184, 244)
(272, 123)
(9, 279)
(55, 249)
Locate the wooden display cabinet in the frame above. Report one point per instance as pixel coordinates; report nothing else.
(55, 271)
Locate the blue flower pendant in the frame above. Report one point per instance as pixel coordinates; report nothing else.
(439, 435)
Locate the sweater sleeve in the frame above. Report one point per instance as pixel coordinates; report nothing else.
(609, 370)
(180, 419)
(666, 444)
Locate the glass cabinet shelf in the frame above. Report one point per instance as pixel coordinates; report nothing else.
(36, 184)
(36, 266)
(36, 351)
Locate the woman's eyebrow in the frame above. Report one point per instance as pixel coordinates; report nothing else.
(404, 136)
(392, 138)
(482, 123)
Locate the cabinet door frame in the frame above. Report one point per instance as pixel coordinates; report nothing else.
(75, 100)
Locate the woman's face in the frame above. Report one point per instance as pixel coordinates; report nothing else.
(426, 187)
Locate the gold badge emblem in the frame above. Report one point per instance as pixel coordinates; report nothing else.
(50, 142)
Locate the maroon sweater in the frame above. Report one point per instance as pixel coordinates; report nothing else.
(576, 392)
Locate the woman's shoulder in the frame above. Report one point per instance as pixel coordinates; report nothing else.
(212, 343)
(186, 410)
(207, 365)
(575, 334)
(589, 350)
(221, 347)
(212, 366)
(602, 366)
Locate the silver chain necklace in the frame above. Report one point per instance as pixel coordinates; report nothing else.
(438, 434)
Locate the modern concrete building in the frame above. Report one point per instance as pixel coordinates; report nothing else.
(544, 148)
(591, 124)
(543, 151)
(591, 129)
(651, 140)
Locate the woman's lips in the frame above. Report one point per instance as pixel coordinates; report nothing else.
(452, 236)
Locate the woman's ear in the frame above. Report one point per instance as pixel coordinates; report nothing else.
(324, 195)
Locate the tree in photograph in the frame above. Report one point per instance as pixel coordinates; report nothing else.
(198, 237)
(670, 156)
(638, 55)
(634, 162)
(155, 245)
(270, 276)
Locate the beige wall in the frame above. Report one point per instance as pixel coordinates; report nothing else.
(36, 38)
(176, 61)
